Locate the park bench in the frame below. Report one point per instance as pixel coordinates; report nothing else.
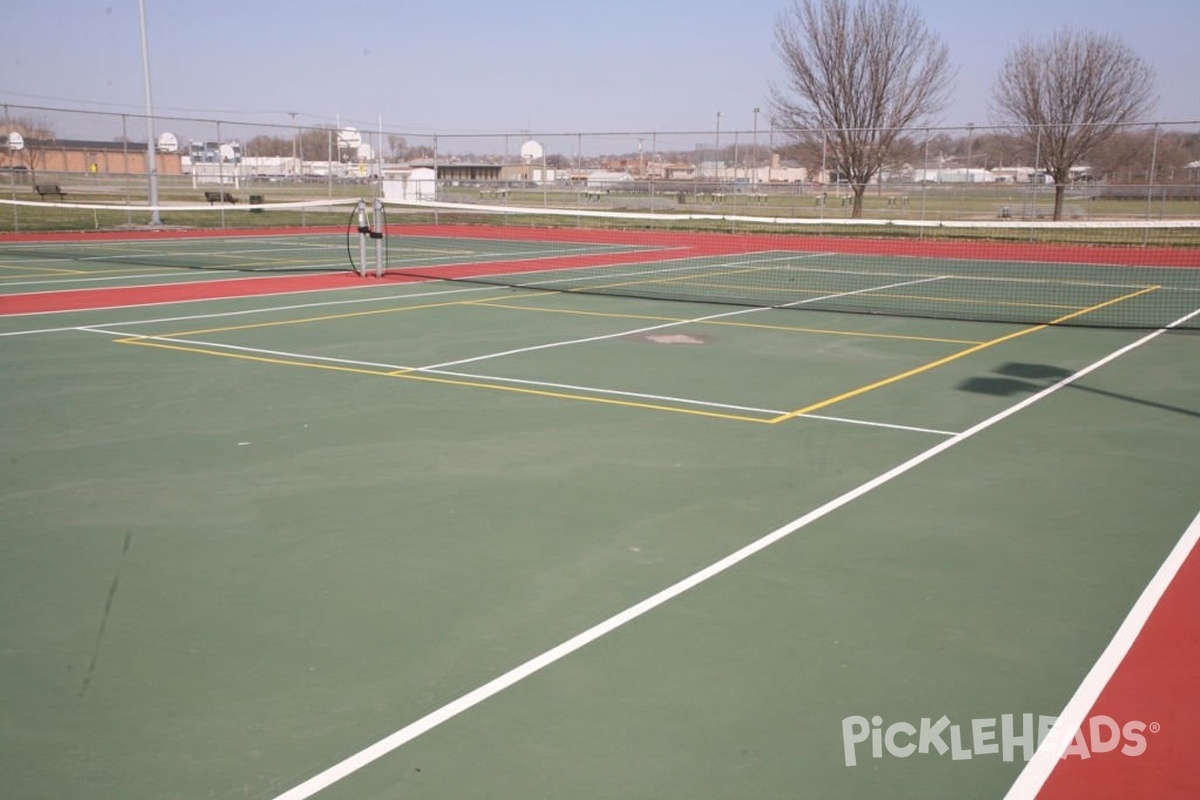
(44, 189)
(219, 197)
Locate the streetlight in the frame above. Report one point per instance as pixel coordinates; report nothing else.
(970, 136)
(151, 154)
(754, 158)
(717, 159)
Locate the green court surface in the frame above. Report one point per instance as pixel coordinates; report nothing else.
(246, 539)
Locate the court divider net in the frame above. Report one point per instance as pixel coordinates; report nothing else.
(1118, 273)
(303, 236)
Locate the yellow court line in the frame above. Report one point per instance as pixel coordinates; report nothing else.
(410, 375)
(438, 252)
(248, 357)
(40, 271)
(584, 397)
(954, 357)
(969, 300)
(727, 323)
(669, 279)
(861, 334)
(822, 291)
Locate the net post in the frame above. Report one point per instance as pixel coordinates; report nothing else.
(363, 229)
(377, 234)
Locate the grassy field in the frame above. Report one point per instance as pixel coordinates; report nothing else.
(890, 204)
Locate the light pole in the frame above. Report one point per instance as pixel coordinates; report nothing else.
(151, 155)
(717, 158)
(970, 137)
(295, 137)
(754, 158)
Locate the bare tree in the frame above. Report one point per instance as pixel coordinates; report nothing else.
(858, 73)
(1068, 94)
(269, 146)
(396, 144)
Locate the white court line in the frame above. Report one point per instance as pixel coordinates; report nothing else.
(367, 755)
(185, 275)
(271, 309)
(1033, 777)
(248, 311)
(191, 275)
(500, 379)
(398, 368)
(1060, 736)
(439, 369)
(527, 255)
(871, 424)
(665, 325)
(127, 306)
(596, 390)
(493, 286)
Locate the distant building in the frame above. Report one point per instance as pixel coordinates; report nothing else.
(461, 171)
(605, 179)
(955, 175)
(90, 157)
(410, 184)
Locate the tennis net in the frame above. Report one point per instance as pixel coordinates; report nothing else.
(1135, 274)
(82, 238)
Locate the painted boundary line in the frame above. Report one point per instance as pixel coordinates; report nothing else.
(248, 311)
(366, 756)
(1049, 754)
(432, 372)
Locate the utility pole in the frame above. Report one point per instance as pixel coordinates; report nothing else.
(151, 150)
(754, 158)
(717, 159)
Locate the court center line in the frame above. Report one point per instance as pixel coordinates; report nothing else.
(761, 326)
(662, 326)
(386, 745)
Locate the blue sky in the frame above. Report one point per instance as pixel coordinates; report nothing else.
(474, 66)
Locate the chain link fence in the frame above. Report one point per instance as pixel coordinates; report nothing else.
(1149, 170)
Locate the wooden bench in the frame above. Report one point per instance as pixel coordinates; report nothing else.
(44, 189)
(219, 197)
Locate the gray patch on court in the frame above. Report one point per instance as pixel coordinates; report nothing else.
(674, 338)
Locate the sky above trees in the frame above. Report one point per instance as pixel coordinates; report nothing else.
(477, 66)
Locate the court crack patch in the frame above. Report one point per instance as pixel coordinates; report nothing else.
(673, 338)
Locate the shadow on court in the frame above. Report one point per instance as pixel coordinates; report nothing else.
(1016, 378)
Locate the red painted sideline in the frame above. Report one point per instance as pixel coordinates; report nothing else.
(1155, 683)
(719, 243)
(662, 245)
(118, 296)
